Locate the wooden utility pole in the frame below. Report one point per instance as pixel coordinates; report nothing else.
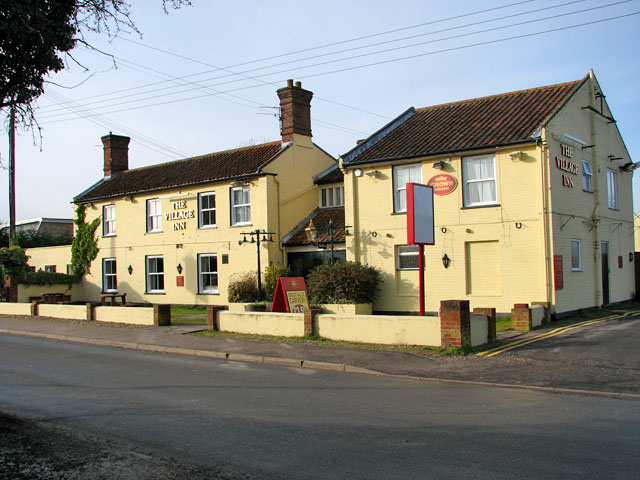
(12, 174)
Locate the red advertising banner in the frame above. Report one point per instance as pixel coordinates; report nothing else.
(558, 274)
(290, 296)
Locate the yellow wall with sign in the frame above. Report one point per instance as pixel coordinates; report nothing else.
(512, 228)
(278, 200)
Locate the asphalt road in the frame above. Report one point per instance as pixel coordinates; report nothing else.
(270, 422)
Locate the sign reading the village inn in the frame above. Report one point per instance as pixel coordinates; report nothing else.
(563, 163)
(179, 214)
(443, 184)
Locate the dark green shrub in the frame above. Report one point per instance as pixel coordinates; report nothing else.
(271, 275)
(243, 288)
(343, 282)
(47, 278)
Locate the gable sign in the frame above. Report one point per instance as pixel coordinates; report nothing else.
(443, 184)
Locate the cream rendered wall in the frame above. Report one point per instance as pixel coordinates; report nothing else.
(132, 244)
(60, 256)
(294, 168)
(279, 201)
(573, 209)
(378, 231)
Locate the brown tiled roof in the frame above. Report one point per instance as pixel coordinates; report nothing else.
(238, 163)
(332, 174)
(504, 119)
(319, 218)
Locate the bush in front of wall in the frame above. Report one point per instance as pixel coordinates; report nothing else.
(343, 282)
(47, 278)
(243, 288)
(271, 275)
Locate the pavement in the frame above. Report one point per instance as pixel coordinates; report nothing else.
(506, 370)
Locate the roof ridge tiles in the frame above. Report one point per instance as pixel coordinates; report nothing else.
(498, 95)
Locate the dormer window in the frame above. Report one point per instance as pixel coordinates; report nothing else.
(332, 197)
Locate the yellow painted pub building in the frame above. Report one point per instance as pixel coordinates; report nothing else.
(532, 201)
(532, 204)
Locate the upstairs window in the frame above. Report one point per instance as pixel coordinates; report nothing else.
(108, 220)
(587, 176)
(154, 215)
(332, 197)
(612, 189)
(240, 206)
(401, 176)
(109, 276)
(479, 176)
(207, 210)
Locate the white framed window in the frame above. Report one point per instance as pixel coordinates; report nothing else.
(240, 206)
(154, 215)
(402, 175)
(109, 275)
(331, 197)
(207, 210)
(576, 255)
(407, 257)
(155, 273)
(612, 189)
(479, 176)
(587, 176)
(108, 220)
(50, 268)
(207, 273)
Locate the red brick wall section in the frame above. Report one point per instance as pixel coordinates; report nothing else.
(34, 308)
(161, 315)
(455, 323)
(212, 316)
(295, 110)
(491, 314)
(521, 317)
(310, 324)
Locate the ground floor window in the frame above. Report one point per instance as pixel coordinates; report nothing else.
(155, 274)
(109, 277)
(576, 255)
(207, 273)
(407, 257)
(301, 263)
(50, 268)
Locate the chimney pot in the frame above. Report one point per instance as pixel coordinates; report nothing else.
(299, 84)
(116, 154)
(290, 82)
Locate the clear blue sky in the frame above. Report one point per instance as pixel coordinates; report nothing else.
(225, 61)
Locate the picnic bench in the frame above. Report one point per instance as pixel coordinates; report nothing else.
(51, 298)
(113, 298)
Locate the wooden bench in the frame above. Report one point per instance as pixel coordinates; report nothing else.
(113, 297)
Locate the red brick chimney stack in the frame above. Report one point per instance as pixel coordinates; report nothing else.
(116, 154)
(295, 109)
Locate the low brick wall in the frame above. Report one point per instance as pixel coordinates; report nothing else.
(74, 312)
(130, 315)
(262, 323)
(15, 308)
(384, 329)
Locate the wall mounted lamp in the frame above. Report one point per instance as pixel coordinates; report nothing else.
(130, 269)
(439, 165)
(371, 173)
(516, 155)
(179, 267)
(446, 260)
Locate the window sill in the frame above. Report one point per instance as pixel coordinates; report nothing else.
(473, 207)
(236, 225)
(155, 293)
(154, 231)
(208, 227)
(587, 191)
(399, 213)
(615, 209)
(108, 236)
(208, 293)
(577, 270)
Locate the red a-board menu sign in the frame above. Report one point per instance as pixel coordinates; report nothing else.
(290, 295)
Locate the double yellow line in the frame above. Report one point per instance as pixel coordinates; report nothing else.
(519, 343)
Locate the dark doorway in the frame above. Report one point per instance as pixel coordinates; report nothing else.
(604, 249)
(302, 263)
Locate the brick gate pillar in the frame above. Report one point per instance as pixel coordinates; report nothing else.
(455, 323)
(521, 317)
